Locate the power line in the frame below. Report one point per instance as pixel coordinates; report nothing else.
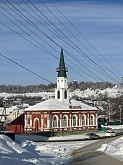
(85, 38)
(25, 68)
(45, 48)
(44, 51)
(57, 36)
(51, 40)
(28, 29)
(96, 65)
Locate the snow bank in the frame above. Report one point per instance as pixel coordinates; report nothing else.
(12, 152)
(28, 152)
(114, 148)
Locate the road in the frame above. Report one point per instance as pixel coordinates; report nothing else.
(89, 156)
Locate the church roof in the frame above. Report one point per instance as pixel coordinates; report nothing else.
(54, 104)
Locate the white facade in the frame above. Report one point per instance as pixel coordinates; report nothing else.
(61, 92)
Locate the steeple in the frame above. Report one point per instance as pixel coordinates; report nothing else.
(61, 92)
(62, 69)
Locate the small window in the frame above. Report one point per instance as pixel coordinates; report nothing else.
(58, 95)
(65, 94)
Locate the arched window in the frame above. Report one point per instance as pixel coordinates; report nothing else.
(65, 121)
(36, 124)
(58, 94)
(74, 121)
(83, 120)
(65, 94)
(55, 121)
(28, 120)
(92, 120)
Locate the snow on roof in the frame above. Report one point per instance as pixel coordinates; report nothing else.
(54, 104)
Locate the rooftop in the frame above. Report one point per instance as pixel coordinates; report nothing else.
(54, 104)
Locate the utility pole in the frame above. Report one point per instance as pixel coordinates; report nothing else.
(5, 104)
(109, 109)
(109, 113)
(120, 113)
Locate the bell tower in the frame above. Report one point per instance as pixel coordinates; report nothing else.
(61, 92)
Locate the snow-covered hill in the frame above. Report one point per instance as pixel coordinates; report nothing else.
(88, 93)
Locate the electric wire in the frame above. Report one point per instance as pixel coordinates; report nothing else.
(45, 52)
(85, 39)
(28, 29)
(25, 68)
(48, 52)
(97, 65)
(72, 33)
(71, 56)
(60, 36)
(7, 1)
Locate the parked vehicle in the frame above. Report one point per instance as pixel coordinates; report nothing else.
(110, 133)
(92, 136)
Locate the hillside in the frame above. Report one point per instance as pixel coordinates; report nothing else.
(50, 87)
(106, 96)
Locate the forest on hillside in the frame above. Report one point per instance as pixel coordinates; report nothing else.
(18, 89)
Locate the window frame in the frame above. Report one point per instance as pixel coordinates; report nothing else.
(55, 122)
(65, 122)
(91, 120)
(74, 121)
(83, 122)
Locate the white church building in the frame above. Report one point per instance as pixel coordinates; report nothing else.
(59, 114)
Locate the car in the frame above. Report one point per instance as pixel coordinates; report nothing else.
(110, 133)
(92, 136)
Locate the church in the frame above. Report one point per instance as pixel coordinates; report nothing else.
(60, 114)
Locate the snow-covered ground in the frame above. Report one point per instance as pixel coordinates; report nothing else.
(27, 152)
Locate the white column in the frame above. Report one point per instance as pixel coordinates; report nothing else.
(25, 120)
(30, 120)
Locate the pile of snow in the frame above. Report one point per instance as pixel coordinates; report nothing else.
(27, 152)
(114, 148)
(13, 153)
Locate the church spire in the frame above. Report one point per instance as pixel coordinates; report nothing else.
(62, 69)
(61, 92)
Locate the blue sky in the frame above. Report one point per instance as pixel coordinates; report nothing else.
(31, 33)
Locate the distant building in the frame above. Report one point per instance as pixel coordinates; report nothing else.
(7, 116)
(57, 115)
